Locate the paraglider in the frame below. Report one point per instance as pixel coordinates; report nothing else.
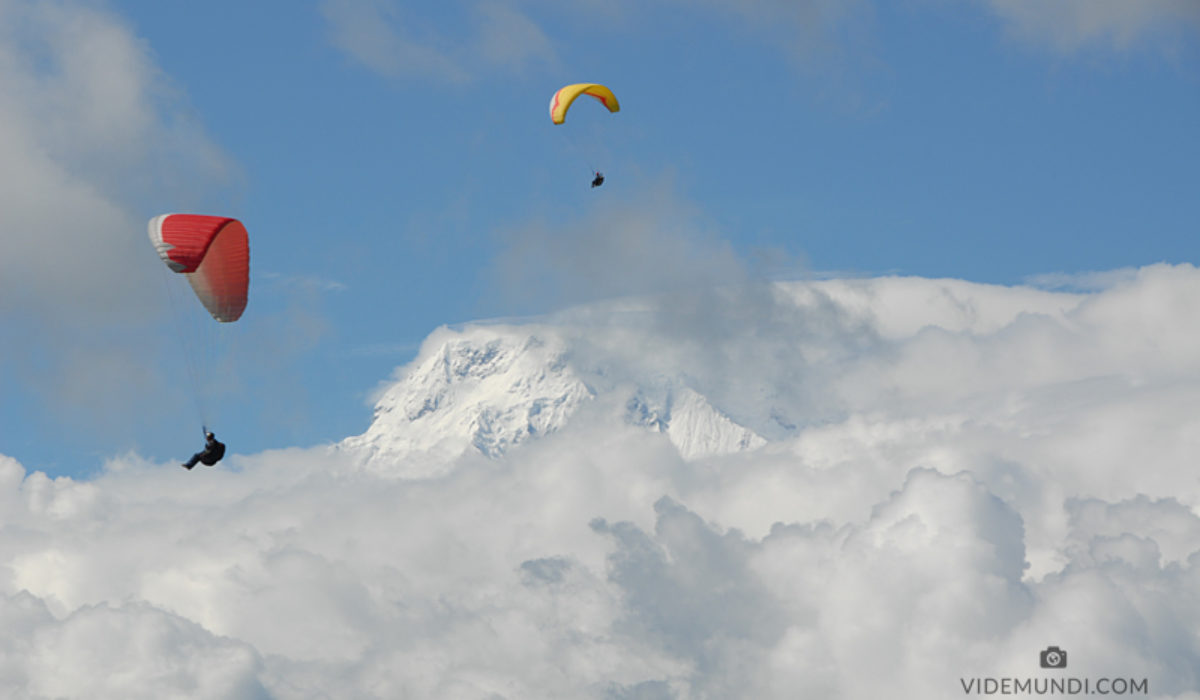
(211, 454)
(562, 100)
(213, 254)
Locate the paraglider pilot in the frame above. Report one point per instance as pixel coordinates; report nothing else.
(211, 454)
(598, 180)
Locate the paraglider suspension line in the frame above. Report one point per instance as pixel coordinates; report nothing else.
(183, 337)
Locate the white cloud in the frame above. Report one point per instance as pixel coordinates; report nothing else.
(130, 651)
(385, 38)
(1021, 475)
(88, 129)
(652, 244)
(1070, 25)
(1082, 281)
(382, 37)
(510, 38)
(799, 24)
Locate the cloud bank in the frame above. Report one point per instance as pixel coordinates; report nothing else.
(988, 471)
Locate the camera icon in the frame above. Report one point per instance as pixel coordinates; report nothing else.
(1053, 657)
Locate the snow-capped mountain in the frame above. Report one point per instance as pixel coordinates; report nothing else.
(481, 388)
(694, 426)
(488, 388)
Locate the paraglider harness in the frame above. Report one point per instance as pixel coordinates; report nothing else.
(211, 454)
(598, 180)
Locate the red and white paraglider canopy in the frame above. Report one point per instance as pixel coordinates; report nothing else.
(213, 252)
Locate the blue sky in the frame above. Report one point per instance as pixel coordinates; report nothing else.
(397, 171)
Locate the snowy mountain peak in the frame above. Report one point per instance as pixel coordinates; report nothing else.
(486, 389)
(695, 427)
(489, 388)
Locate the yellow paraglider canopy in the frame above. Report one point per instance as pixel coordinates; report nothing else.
(561, 102)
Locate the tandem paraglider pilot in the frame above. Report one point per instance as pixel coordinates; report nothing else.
(211, 454)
